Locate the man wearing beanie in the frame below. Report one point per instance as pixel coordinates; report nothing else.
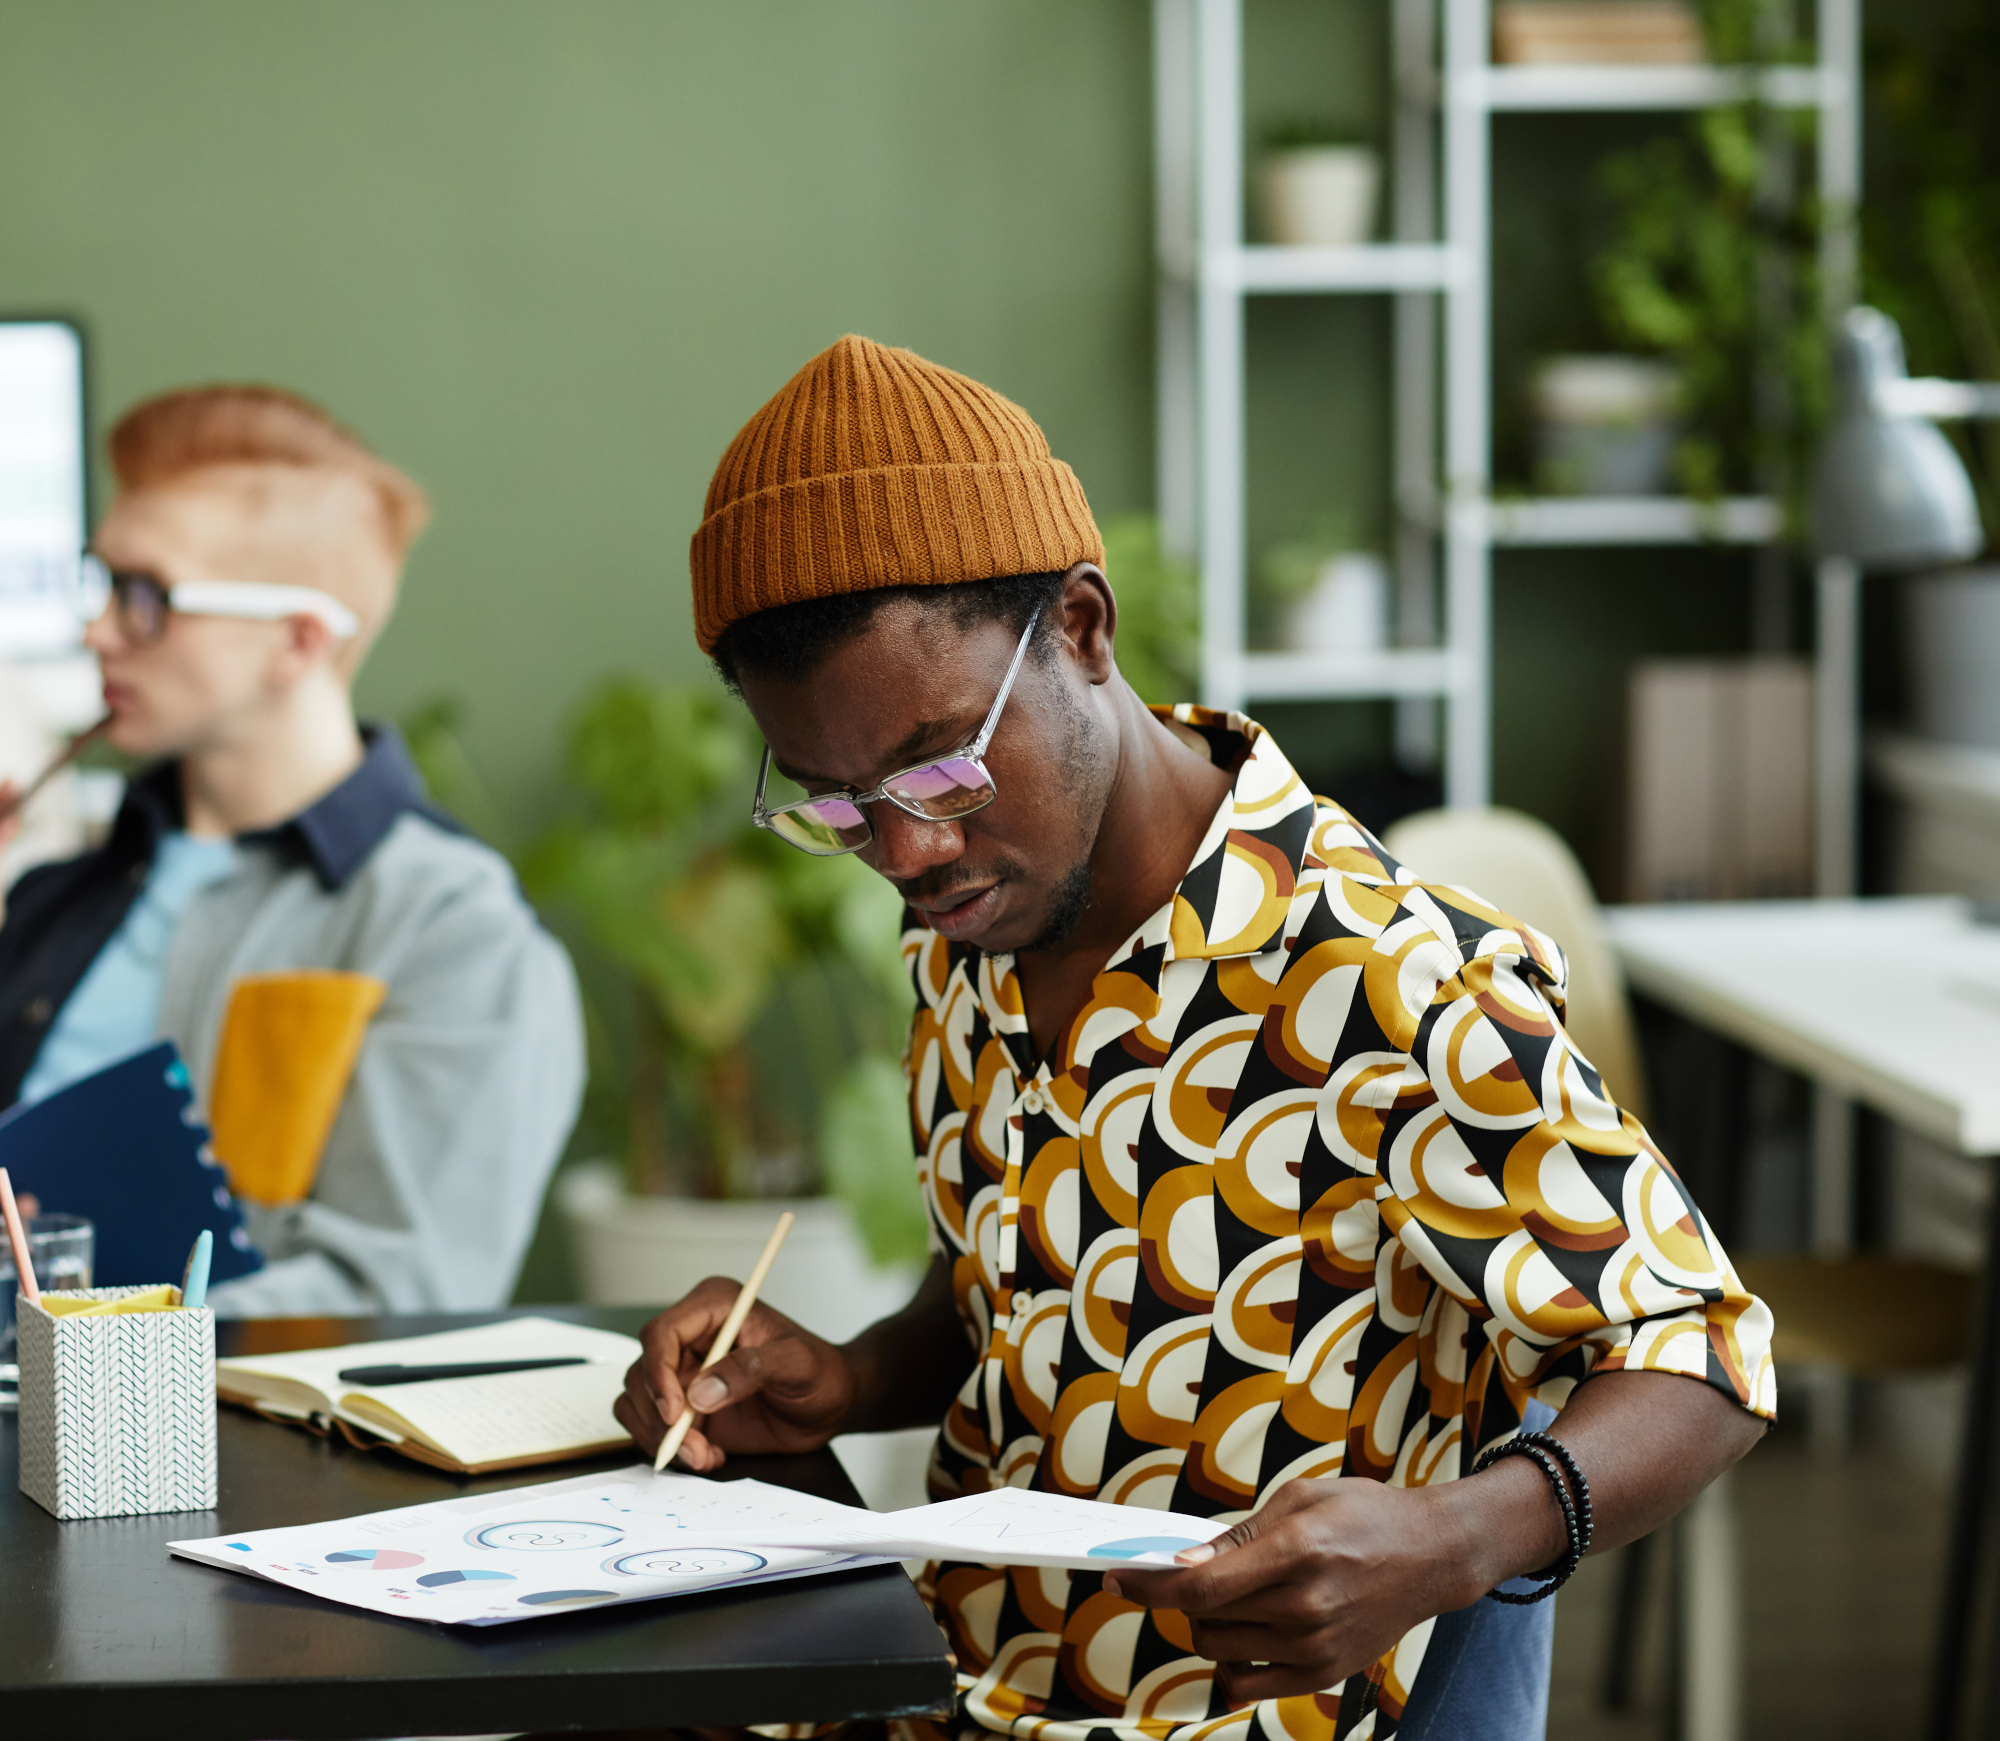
(387, 1045)
(1262, 1179)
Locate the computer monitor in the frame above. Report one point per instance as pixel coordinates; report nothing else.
(43, 447)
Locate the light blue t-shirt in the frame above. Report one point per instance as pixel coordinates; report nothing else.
(115, 1009)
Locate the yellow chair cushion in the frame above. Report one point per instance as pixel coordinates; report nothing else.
(1864, 1313)
(289, 1044)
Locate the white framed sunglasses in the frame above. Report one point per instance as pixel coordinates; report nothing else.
(143, 601)
(944, 789)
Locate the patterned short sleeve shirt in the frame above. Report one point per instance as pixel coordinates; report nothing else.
(1315, 1184)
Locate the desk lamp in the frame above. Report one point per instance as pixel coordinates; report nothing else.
(1889, 493)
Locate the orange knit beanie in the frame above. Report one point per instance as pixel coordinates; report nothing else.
(871, 468)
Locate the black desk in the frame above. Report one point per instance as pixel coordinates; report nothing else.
(103, 1632)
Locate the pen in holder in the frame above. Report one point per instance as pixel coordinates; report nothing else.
(117, 1409)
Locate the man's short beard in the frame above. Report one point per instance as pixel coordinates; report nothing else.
(1069, 900)
(1067, 905)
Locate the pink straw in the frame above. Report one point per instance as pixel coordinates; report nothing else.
(17, 1237)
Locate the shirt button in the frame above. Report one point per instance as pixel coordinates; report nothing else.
(1023, 1301)
(38, 1012)
(1032, 1101)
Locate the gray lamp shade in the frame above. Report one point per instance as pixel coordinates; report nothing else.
(1890, 491)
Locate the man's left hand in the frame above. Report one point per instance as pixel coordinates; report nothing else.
(1314, 1587)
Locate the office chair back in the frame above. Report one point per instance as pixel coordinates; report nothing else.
(1524, 868)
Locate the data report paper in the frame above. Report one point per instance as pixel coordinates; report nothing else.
(488, 1558)
(632, 1535)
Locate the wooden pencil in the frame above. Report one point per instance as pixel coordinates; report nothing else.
(76, 746)
(17, 1237)
(725, 1338)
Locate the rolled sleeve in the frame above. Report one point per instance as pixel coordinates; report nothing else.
(1546, 1210)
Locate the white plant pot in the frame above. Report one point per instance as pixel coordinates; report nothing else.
(1319, 196)
(1347, 608)
(649, 1251)
(1604, 425)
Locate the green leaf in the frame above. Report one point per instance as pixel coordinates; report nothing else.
(715, 952)
(651, 756)
(869, 1162)
(1159, 611)
(661, 878)
(1708, 269)
(433, 731)
(868, 925)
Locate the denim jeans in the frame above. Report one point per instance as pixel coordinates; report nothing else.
(1485, 1676)
(1486, 1673)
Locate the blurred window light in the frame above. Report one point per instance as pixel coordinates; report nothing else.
(42, 507)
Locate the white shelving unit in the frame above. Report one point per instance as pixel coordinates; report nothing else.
(1555, 520)
(1447, 94)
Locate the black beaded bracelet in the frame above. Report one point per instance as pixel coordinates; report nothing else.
(1557, 1573)
(1579, 1488)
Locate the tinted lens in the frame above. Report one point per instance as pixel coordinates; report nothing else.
(943, 789)
(829, 827)
(142, 606)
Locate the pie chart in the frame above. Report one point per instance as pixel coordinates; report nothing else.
(437, 1580)
(381, 1559)
(562, 1598)
(1133, 1546)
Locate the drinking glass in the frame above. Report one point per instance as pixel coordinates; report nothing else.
(61, 1248)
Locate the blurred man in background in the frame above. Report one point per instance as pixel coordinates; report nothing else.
(398, 1040)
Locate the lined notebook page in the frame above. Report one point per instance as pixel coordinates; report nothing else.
(515, 1414)
(511, 1339)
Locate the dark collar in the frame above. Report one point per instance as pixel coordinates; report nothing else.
(335, 836)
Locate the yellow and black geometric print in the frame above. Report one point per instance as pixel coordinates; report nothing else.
(1315, 1184)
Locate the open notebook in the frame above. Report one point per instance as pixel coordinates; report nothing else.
(504, 1421)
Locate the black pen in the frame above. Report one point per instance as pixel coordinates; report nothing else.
(381, 1375)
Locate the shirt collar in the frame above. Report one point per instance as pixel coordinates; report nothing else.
(1233, 900)
(335, 835)
(1238, 889)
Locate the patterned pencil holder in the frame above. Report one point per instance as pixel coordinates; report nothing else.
(117, 1413)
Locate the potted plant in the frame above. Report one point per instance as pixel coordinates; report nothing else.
(1159, 610)
(1317, 187)
(1322, 592)
(745, 1007)
(1710, 268)
(1603, 425)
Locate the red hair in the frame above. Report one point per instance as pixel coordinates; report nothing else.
(185, 431)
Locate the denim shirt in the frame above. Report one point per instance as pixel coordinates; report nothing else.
(470, 1074)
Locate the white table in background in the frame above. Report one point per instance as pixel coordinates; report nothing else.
(1894, 1003)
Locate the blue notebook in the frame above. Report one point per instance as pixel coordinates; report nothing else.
(125, 1148)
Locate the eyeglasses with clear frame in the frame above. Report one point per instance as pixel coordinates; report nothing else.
(143, 601)
(829, 824)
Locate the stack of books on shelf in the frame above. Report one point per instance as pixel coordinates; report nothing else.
(1597, 33)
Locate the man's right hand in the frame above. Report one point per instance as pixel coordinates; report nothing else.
(780, 1389)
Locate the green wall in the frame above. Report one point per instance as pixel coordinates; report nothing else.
(550, 257)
